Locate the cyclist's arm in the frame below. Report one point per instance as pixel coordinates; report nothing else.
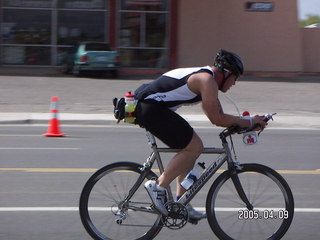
(206, 86)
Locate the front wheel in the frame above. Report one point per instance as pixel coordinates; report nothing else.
(104, 212)
(266, 190)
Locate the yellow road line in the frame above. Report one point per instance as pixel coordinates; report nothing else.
(69, 170)
(80, 170)
(317, 171)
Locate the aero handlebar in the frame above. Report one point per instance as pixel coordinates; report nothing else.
(237, 129)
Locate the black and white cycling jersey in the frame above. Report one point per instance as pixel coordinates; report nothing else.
(171, 88)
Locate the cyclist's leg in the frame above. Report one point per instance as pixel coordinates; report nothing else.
(181, 164)
(175, 132)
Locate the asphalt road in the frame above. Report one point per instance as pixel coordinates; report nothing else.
(41, 178)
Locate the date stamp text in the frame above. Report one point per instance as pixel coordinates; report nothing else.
(255, 214)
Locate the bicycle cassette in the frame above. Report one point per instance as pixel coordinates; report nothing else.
(178, 216)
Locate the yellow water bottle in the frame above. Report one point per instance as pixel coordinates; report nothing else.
(129, 107)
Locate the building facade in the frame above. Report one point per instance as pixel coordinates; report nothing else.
(39, 32)
(159, 34)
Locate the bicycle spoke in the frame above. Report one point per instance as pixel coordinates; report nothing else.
(106, 214)
(267, 194)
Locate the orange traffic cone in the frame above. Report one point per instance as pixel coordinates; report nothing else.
(54, 129)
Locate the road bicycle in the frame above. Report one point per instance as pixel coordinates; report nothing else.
(246, 201)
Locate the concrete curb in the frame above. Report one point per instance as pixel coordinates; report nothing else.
(196, 120)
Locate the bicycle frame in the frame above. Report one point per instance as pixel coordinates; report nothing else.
(224, 155)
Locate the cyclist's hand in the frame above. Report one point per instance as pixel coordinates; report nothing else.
(259, 119)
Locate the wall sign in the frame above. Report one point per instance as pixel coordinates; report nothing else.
(259, 6)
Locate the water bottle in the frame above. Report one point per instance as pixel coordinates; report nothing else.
(193, 175)
(249, 138)
(129, 107)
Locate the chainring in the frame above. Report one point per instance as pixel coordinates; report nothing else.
(178, 216)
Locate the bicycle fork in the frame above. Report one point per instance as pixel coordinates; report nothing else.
(239, 188)
(233, 166)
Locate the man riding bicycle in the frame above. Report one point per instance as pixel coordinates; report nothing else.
(155, 111)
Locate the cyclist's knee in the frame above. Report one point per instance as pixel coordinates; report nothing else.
(195, 145)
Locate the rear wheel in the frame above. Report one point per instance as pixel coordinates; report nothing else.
(267, 191)
(105, 214)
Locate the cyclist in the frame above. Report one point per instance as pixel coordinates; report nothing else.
(156, 107)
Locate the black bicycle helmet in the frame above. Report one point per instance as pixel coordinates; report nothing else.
(229, 61)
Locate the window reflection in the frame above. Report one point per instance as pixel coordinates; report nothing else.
(34, 32)
(143, 29)
(155, 30)
(143, 33)
(130, 29)
(144, 5)
(144, 58)
(28, 3)
(26, 26)
(82, 4)
(74, 26)
(26, 55)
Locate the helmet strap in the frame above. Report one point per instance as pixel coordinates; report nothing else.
(224, 79)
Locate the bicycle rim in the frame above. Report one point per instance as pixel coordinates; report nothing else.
(102, 212)
(270, 196)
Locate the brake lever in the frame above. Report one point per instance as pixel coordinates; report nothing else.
(267, 117)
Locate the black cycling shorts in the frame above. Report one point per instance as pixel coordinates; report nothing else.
(165, 124)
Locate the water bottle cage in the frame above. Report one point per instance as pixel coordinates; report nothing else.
(119, 110)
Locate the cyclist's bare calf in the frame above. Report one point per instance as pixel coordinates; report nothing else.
(181, 164)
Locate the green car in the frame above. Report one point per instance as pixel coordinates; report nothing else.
(90, 57)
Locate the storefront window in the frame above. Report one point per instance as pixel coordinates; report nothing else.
(28, 3)
(40, 32)
(25, 55)
(26, 26)
(143, 33)
(130, 32)
(144, 5)
(36, 32)
(75, 26)
(143, 58)
(155, 30)
(82, 4)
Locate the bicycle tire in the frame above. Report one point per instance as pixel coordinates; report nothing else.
(266, 190)
(99, 205)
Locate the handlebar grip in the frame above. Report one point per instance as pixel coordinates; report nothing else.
(257, 125)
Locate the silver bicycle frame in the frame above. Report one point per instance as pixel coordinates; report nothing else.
(224, 155)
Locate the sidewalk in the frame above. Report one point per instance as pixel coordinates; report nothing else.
(89, 101)
(196, 120)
